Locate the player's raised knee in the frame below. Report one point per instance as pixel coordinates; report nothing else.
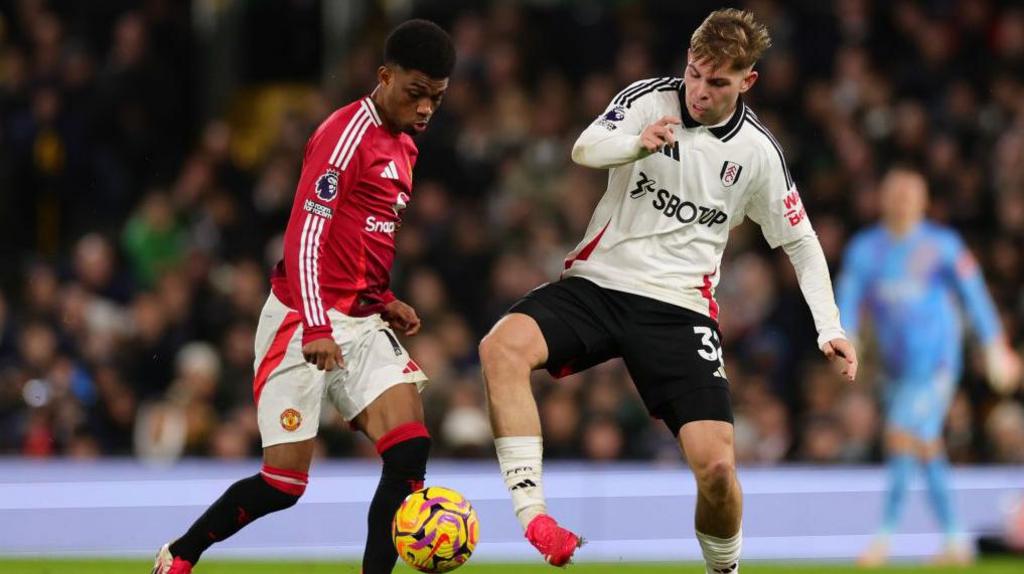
(515, 342)
(496, 350)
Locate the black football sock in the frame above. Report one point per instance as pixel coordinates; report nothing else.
(404, 450)
(244, 501)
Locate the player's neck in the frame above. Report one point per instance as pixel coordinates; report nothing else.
(382, 111)
(901, 228)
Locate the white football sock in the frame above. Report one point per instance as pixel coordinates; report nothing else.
(721, 555)
(520, 461)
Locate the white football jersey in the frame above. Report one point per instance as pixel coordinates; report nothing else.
(662, 225)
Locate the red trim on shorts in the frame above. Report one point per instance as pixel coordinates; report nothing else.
(401, 433)
(274, 356)
(563, 371)
(288, 487)
(705, 291)
(584, 253)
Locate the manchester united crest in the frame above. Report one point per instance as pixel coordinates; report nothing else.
(291, 420)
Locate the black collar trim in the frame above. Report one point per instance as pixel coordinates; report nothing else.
(724, 132)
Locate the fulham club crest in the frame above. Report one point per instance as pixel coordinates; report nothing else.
(730, 173)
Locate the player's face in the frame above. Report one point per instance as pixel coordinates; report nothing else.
(904, 198)
(409, 97)
(711, 92)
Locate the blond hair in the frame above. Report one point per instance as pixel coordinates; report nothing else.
(730, 36)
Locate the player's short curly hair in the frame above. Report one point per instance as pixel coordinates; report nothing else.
(730, 37)
(421, 45)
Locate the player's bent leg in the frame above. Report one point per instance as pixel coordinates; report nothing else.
(394, 421)
(708, 445)
(515, 347)
(279, 485)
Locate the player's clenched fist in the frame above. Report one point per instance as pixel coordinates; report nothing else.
(659, 134)
(324, 353)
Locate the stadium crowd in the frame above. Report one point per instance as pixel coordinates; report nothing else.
(138, 228)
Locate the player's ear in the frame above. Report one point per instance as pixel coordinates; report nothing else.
(748, 81)
(385, 75)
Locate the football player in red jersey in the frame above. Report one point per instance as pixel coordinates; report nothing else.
(327, 329)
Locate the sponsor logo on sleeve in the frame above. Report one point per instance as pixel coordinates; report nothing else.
(795, 212)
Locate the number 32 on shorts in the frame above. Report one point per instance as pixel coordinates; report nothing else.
(711, 349)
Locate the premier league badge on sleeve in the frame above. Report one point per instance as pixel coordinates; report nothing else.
(611, 117)
(327, 185)
(730, 173)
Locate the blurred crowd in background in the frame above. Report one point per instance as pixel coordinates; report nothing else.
(139, 222)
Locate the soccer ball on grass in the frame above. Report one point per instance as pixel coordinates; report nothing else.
(435, 529)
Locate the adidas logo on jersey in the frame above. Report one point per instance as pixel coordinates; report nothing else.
(390, 171)
(671, 151)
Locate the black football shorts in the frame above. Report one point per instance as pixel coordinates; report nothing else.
(674, 355)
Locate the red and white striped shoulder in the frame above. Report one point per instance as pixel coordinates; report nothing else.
(352, 134)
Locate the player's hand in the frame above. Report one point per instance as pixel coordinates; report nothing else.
(402, 318)
(659, 134)
(841, 353)
(324, 353)
(1003, 368)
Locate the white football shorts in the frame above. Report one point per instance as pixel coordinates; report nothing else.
(288, 390)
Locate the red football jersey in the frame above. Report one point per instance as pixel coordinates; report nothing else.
(340, 241)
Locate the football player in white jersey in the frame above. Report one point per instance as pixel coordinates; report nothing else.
(687, 161)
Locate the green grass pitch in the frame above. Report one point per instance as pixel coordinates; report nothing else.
(71, 566)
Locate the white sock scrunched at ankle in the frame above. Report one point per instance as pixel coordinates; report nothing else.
(721, 555)
(520, 460)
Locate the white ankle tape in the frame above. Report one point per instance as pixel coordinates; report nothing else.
(721, 555)
(520, 458)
